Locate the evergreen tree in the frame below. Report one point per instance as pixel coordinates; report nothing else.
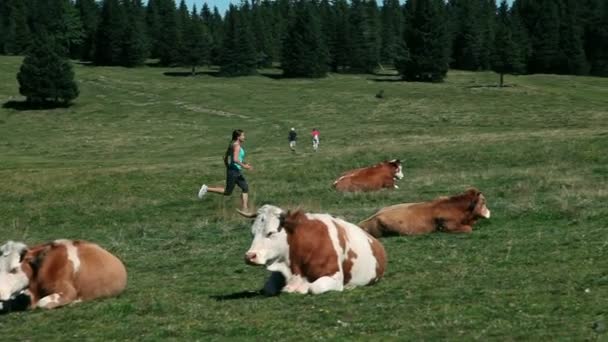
(364, 37)
(216, 29)
(572, 58)
(304, 51)
(17, 36)
(519, 34)
(327, 17)
(238, 57)
(153, 27)
(89, 16)
(135, 41)
(392, 22)
(596, 37)
(426, 38)
(196, 42)
(467, 26)
(261, 19)
(168, 44)
(488, 29)
(110, 34)
(341, 43)
(541, 19)
(506, 57)
(45, 76)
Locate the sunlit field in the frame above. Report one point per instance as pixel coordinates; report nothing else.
(122, 166)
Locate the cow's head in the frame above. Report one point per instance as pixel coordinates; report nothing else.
(477, 205)
(13, 279)
(395, 164)
(269, 238)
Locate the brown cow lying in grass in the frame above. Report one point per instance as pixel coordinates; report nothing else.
(376, 177)
(57, 273)
(455, 214)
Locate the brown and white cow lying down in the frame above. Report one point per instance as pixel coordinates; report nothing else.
(376, 177)
(312, 253)
(455, 214)
(59, 272)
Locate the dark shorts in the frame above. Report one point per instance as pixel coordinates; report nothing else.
(235, 177)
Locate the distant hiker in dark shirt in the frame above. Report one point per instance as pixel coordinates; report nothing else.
(234, 159)
(293, 136)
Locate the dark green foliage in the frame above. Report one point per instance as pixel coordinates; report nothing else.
(364, 36)
(89, 16)
(472, 33)
(16, 35)
(391, 31)
(304, 50)
(426, 38)
(341, 41)
(110, 34)
(507, 57)
(541, 18)
(261, 24)
(135, 42)
(572, 59)
(196, 42)
(466, 23)
(168, 43)
(238, 56)
(153, 27)
(45, 76)
(594, 16)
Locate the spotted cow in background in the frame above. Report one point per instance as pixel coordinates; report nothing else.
(59, 272)
(376, 177)
(312, 253)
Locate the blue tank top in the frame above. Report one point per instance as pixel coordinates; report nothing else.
(241, 158)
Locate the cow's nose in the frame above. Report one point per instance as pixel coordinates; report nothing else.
(249, 257)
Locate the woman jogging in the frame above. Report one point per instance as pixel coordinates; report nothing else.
(234, 161)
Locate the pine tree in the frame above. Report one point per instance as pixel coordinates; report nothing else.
(467, 34)
(89, 16)
(110, 34)
(196, 42)
(541, 19)
(596, 37)
(572, 58)
(341, 44)
(238, 57)
(506, 57)
(261, 17)
(45, 76)
(425, 36)
(153, 27)
(17, 36)
(364, 37)
(135, 41)
(168, 44)
(304, 50)
(488, 30)
(392, 22)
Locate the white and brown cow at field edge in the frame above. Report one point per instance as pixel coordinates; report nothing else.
(59, 272)
(313, 253)
(376, 177)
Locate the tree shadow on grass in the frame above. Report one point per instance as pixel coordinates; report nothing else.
(488, 86)
(386, 79)
(239, 295)
(25, 105)
(189, 73)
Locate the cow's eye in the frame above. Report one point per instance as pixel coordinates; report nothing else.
(13, 270)
(269, 234)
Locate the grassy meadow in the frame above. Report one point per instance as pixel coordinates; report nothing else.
(122, 167)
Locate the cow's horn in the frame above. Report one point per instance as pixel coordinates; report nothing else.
(248, 215)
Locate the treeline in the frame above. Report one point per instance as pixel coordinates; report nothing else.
(421, 38)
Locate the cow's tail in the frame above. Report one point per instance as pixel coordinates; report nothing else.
(372, 225)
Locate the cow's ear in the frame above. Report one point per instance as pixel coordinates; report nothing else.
(35, 257)
(22, 254)
(281, 221)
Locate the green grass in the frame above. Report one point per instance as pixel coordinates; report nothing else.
(122, 166)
